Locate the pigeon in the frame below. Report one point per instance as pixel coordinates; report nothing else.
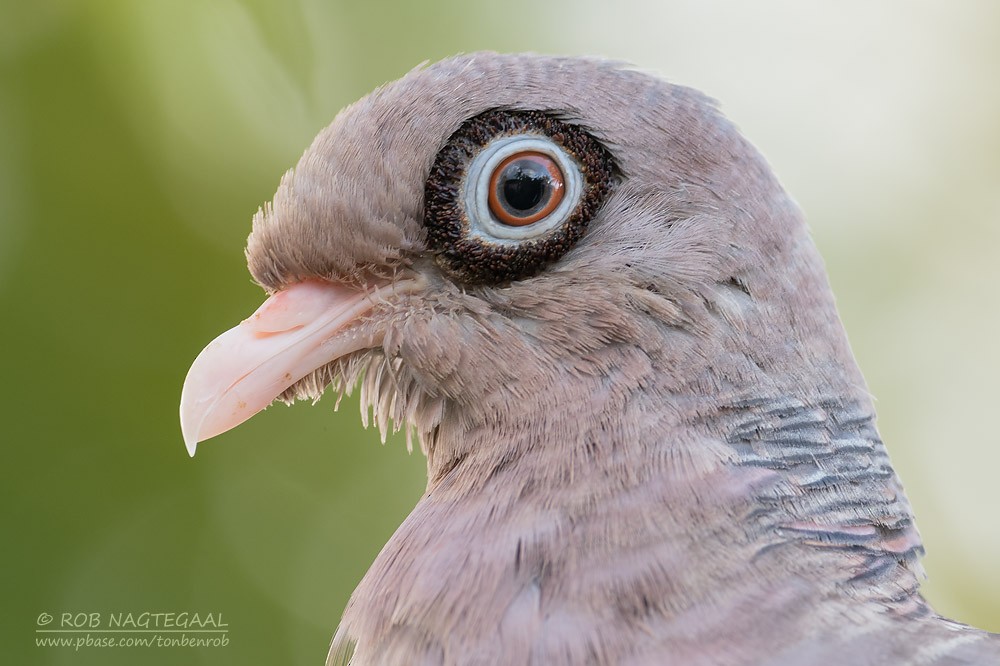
(589, 300)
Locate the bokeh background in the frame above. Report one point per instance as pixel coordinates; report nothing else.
(137, 138)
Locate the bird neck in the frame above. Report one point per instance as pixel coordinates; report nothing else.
(681, 515)
(787, 486)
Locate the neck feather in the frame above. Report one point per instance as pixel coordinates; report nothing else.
(831, 490)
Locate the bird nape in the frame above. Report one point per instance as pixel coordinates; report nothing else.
(593, 304)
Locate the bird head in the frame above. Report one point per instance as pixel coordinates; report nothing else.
(501, 241)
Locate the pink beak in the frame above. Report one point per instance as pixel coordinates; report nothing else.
(242, 371)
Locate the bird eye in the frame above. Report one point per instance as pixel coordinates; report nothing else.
(520, 187)
(525, 188)
(511, 192)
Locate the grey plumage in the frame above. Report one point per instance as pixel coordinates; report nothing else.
(657, 449)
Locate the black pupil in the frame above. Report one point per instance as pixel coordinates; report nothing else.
(525, 186)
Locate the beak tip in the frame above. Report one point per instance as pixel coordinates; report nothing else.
(190, 431)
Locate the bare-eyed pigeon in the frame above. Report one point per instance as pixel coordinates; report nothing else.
(589, 298)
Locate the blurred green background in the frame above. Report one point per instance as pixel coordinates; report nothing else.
(137, 137)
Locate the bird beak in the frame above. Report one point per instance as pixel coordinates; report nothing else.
(243, 370)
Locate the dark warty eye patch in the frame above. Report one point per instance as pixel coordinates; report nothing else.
(510, 193)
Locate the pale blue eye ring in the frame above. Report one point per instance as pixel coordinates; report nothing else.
(483, 223)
